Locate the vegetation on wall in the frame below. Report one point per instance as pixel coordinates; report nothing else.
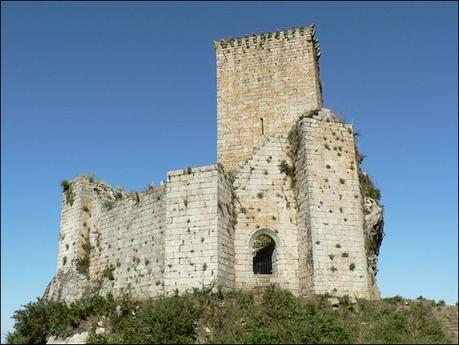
(261, 316)
(367, 187)
(67, 187)
(82, 263)
(294, 141)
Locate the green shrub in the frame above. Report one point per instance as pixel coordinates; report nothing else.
(264, 315)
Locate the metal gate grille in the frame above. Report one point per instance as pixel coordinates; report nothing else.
(262, 261)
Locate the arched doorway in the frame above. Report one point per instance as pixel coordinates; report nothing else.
(263, 252)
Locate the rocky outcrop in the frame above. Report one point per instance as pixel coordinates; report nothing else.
(67, 286)
(374, 233)
(79, 338)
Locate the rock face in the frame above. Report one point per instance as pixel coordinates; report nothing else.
(374, 231)
(287, 169)
(67, 286)
(79, 338)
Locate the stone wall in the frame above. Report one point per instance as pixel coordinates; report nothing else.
(71, 234)
(113, 239)
(191, 245)
(227, 215)
(330, 206)
(264, 83)
(267, 206)
(127, 240)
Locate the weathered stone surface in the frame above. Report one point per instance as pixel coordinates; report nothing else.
(79, 338)
(332, 240)
(67, 286)
(100, 330)
(374, 231)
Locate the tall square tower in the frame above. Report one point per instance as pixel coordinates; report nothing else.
(264, 83)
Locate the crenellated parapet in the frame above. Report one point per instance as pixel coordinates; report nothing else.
(259, 40)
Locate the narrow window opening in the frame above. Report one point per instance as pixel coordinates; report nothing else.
(262, 127)
(263, 249)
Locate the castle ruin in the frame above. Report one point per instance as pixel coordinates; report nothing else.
(286, 203)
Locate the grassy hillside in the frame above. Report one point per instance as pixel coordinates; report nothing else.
(261, 316)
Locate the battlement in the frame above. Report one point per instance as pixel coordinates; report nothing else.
(263, 39)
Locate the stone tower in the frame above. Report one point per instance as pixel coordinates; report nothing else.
(264, 83)
(287, 203)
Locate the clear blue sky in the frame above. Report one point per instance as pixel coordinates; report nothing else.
(127, 90)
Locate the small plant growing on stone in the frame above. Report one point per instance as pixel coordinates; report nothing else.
(359, 157)
(287, 169)
(82, 263)
(352, 267)
(136, 197)
(345, 255)
(68, 191)
(367, 187)
(312, 113)
(85, 209)
(243, 210)
(108, 272)
(147, 262)
(108, 204)
(338, 246)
